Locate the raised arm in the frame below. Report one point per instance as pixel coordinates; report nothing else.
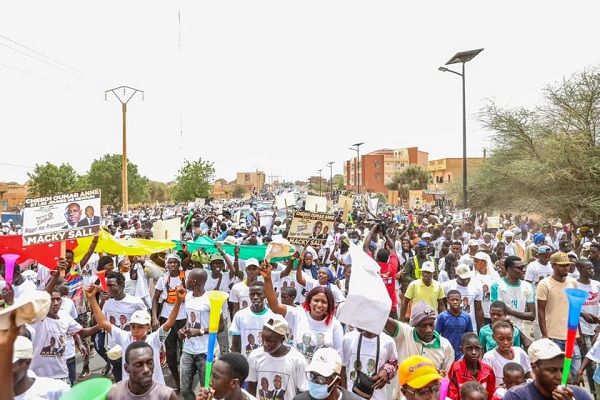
(61, 267)
(272, 301)
(101, 320)
(235, 270)
(226, 258)
(289, 266)
(299, 276)
(368, 238)
(390, 242)
(88, 254)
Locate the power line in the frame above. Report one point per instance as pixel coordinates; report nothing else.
(34, 75)
(15, 165)
(66, 67)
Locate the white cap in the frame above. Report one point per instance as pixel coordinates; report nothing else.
(426, 235)
(325, 362)
(463, 271)
(341, 226)
(544, 349)
(252, 261)
(22, 349)
(140, 317)
(472, 242)
(428, 266)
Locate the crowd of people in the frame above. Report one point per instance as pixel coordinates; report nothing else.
(479, 305)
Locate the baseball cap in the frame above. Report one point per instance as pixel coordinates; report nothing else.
(421, 244)
(417, 372)
(140, 317)
(277, 325)
(463, 271)
(216, 257)
(325, 362)
(232, 240)
(543, 349)
(472, 242)
(341, 226)
(22, 349)
(252, 261)
(560, 258)
(544, 250)
(428, 267)
(426, 235)
(564, 245)
(420, 312)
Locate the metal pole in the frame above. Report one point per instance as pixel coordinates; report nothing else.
(465, 202)
(331, 178)
(358, 167)
(355, 170)
(124, 177)
(320, 180)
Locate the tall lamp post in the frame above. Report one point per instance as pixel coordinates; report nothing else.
(330, 163)
(357, 164)
(320, 180)
(128, 93)
(463, 57)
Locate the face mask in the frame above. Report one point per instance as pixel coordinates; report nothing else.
(355, 240)
(318, 391)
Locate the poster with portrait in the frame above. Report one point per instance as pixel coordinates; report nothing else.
(272, 383)
(310, 228)
(61, 217)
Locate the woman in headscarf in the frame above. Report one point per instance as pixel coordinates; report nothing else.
(325, 278)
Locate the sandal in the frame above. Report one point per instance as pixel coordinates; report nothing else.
(106, 370)
(84, 375)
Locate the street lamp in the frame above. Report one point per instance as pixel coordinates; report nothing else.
(356, 166)
(320, 179)
(330, 163)
(463, 57)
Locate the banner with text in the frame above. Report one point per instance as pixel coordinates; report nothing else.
(61, 217)
(310, 228)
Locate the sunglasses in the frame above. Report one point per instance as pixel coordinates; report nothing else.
(316, 378)
(424, 391)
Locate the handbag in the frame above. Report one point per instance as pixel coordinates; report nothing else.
(363, 384)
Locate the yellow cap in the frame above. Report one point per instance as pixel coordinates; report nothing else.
(417, 372)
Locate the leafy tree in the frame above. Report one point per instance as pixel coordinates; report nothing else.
(50, 179)
(338, 181)
(106, 174)
(412, 177)
(239, 191)
(381, 197)
(159, 191)
(546, 160)
(194, 180)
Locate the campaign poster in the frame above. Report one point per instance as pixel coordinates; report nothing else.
(345, 204)
(310, 228)
(61, 217)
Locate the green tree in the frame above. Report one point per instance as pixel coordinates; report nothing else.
(239, 191)
(338, 181)
(159, 191)
(381, 197)
(412, 177)
(50, 179)
(546, 160)
(106, 174)
(194, 180)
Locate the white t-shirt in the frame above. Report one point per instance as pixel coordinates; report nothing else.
(248, 325)
(484, 283)
(49, 346)
(297, 323)
(319, 335)
(68, 307)
(289, 281)
(311, 283)
(536, 272)
(368, 352)
(197, 310)
(45, 389)
(468, 293)
(174, 283)
(288, 371)
(497, 362)
(26, 287)
(118, 312)
(240, 294)
(591, 305)
(154, 339)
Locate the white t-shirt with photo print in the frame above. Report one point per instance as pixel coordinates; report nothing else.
(174, 283)
(118, 312)
(248, 325)
(368, 354)
(285, 375)
(321, 335)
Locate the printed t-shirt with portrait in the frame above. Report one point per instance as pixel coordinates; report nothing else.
(49, 346)
(484, 284)
(297, 322)
(277, 377)
(536, 272)
(68, 308)
(288, 281)
(368, 355)
(319, 335)
(468, 294)
(214, 284)
(154, 339)
(516, 297)
(169, 283)
(240, 294)
(591, 306)
(248, 325)
(118, 312)
(197, 310)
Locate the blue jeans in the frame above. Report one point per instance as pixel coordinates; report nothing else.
(576, 361)
(189, 366)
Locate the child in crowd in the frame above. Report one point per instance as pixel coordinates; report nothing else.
(514, 375)
(470, 369)
(505, 352)
(453, 323)
(498, 312)
(473, 391)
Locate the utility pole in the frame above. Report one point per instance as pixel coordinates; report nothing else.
(128, 93)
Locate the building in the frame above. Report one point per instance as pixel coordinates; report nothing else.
(444, 172)
(12, 196)
(253, 182)
(221, 190)
(377, 168)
